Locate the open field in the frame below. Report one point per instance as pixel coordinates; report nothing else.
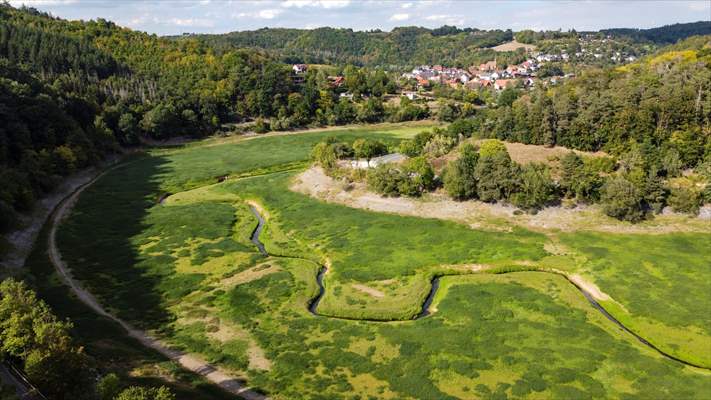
(186, 270)
(513, 46)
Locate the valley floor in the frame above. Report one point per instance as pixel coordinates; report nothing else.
(186, 270)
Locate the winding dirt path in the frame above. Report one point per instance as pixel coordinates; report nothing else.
(190, 362)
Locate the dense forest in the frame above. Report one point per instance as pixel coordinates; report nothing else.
(664, 100)
(409, 46)
(401, 46)
(73, 91)
(667, 34)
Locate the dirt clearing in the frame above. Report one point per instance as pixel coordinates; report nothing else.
(479, 215)
(368, 290)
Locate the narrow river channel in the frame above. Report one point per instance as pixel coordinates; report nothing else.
(313, 305)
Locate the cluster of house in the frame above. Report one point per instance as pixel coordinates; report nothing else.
(587, 54)
(426, 75)
(590, 48)
(484, 75)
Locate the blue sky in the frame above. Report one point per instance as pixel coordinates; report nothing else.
(218, 16)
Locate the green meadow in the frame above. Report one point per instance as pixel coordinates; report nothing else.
(502, 327)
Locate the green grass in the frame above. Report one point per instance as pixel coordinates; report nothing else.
(107, 343)
(187, 269)
(485, 341)
(194, 166)
(662, 282)
(363, 246)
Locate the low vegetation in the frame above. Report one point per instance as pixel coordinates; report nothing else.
(187, 269)
(338, 306)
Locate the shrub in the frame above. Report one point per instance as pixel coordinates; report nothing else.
(327, 152)
(580, 178)
(685, 199)
(139, 393)
(439, 146)
(462, 126)
(414, 147)
(324, 154)
(460, 180)
(385, 179)
(260, 126)
(496, 176)
(536, 188)
(704, 170)
(621, 199)
(409, 112)
(368, 148)
(448, 111)
(491, 148)
(108, 387)
(410, 179)
(419, 177)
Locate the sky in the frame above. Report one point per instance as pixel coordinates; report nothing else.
(171, 17)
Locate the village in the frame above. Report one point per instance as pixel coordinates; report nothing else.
(478, 76)
(588, 49)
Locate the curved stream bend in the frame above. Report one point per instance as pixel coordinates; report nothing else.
(435, 286)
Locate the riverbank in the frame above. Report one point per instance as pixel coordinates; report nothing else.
(479, 215)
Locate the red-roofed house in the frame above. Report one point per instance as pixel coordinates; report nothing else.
(500, 84)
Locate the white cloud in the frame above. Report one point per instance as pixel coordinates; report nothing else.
(268, 14)
(193, 22)
(400, 17)
(316, 3)
(700, 5)
(446, 19)
(438, 17)
(405, 5)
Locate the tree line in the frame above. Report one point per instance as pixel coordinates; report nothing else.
(632, 187)
(401, 46)
(73, 91)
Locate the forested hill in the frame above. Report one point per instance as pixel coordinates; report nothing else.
(408, 46)
(71, 91)
(666, 34)
(405, 45)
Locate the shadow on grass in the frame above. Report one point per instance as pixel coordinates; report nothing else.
(95, 241)
(103, 256)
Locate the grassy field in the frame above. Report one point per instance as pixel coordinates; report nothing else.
(107, 343)
(186, 270)
(661, 285)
